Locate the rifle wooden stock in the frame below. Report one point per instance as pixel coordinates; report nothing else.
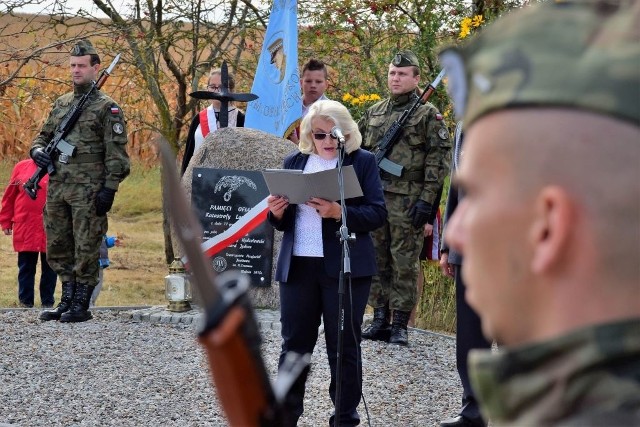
(230, 333)
(238, 376)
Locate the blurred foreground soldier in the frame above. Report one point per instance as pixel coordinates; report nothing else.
(82, 190)
(423, 152)
(550, 224)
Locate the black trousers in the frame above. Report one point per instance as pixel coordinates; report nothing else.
(308, 296)
(27, 265)
(468, 337)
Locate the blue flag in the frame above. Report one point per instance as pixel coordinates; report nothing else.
(277, 81)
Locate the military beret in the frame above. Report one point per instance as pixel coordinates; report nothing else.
(579, 54)
(405, 58)
(83, 47)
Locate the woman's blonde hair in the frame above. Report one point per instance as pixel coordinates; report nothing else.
(336, 113)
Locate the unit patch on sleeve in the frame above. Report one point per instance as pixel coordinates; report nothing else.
(118, 128)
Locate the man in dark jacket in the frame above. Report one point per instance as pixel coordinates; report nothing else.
(468, 327)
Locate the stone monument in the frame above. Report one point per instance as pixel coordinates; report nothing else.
(244, 149)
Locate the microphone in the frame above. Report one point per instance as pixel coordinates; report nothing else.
(336, 132)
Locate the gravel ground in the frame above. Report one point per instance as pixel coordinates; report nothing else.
(113, 371)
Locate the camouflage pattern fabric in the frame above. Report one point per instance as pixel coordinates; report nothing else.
(588, 377)
(398, 245)
(587, 57)
(423, 147)
(74, 232)
(83, 47)
(405, 58)
(424, 152)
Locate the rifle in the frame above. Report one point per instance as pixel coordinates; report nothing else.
(230, 333)
(392, 135)
(57, 143)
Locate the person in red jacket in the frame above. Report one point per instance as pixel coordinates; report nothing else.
(22, 217)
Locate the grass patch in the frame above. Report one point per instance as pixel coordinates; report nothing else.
(436, 307)
(139, 194)
(136, 274)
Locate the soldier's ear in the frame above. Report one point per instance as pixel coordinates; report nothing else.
(551, 229)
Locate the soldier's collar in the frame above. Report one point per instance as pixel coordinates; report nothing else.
(401, 99)
(81, 89)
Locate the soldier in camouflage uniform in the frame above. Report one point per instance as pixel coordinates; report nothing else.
(82, 190)
(423, 150)
(550, 225)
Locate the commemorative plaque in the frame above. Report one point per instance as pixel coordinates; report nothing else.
(221, 197)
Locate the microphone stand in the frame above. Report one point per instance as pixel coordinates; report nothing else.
(345, 272)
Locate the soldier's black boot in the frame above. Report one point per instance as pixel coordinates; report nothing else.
(68, 289)
(79, 306)
(399, 334)
(379, 329)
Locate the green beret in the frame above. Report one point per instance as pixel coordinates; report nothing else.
(579, 54)
(83, 47)
(405, 58)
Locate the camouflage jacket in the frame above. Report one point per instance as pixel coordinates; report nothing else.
(588, 377)
(100, 138)
(423, 149)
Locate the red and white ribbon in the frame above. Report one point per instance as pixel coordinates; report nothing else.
(237, 231)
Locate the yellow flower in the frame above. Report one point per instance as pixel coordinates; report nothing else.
(346, 97)
(464, 32)
(465, 28)
(477, 21)
(374, 97)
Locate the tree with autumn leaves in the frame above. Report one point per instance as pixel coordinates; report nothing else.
(168, 46)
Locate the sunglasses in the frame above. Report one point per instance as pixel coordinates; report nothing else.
(320, 136)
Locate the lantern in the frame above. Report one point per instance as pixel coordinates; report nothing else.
(178, 287)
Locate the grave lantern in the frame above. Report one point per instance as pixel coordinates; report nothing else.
(177, 287)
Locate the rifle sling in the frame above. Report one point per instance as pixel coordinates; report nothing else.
(414, 176)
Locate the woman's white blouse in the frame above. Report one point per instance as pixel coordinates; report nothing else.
(307, 238)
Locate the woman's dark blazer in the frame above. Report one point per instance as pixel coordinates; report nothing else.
(364, 214)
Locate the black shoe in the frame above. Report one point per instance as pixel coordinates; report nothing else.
(79, 306)
(379, 329)
(68, 289)
(399, 334)
(462, 421)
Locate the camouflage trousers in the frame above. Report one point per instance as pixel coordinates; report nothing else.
(398, 245)
(74, 232)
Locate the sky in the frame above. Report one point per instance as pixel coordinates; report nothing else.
(71, 6)
(48, 6)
